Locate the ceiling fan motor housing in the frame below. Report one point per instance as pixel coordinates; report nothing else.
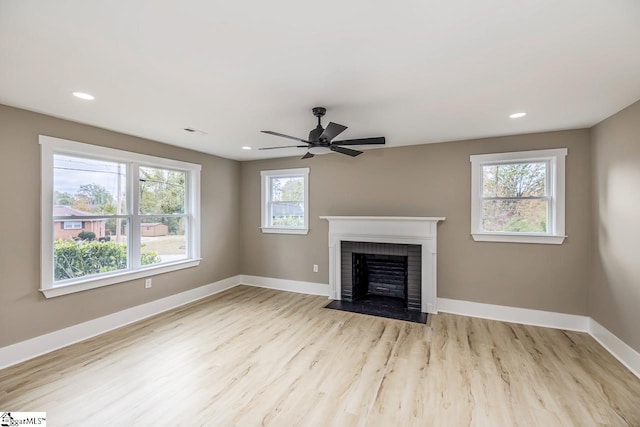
(314, 135)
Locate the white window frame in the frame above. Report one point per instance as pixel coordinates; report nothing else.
(51, 146)
(266, 177)
(555, 160)
(74, 223)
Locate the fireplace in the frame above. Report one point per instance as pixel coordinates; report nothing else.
(417, 233)
(381, 269)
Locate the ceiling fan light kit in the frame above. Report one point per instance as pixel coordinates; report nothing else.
(320, 139)
(318, 151)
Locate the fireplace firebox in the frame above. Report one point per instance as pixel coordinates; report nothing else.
(381, 279)
(382, 275)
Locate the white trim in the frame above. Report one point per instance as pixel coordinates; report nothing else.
(285, 230)
(629, 357)
(284, 172)
(134, 233)
(46, 212)
(518, 238)
(51, 146)
(265, 195)
(525, 316)
(113, 278)
(614, 345)
(383, 219)
(517, 156)
(194, 204)
(556, 161)
(310, 288)
(25, 350)
(73, 147)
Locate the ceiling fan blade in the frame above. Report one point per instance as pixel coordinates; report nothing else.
(347, 151)
(284, 146)
(361, 141)
(307, 156)
(332, 130)
(284, 136)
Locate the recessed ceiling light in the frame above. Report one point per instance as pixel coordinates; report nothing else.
(246, 147)
(517, 115)
(83, 95)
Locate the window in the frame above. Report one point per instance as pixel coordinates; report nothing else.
(285, 201)
(518, 197)
(72, 225)
(141, 216)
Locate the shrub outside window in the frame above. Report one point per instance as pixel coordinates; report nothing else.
(518, 197)
(110, 216)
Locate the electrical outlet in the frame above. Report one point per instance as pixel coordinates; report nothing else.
(147, 283)
(315, 268)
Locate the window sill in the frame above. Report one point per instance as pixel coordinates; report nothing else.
(285, 230)
(125, 276)
(518, 238)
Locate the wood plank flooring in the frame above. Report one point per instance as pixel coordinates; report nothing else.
(253, 357)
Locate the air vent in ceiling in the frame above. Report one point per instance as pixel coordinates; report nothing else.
(196, 131)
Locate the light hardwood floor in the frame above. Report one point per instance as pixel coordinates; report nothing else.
(251, 357)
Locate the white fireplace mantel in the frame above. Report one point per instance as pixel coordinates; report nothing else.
(386, 229)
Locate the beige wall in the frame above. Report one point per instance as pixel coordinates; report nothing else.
(425, 180)
(614, 297)
(433, 180)
(25, 312)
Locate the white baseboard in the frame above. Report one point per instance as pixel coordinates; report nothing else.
(25, 350)
(547, 319)
(614, 345)
(311, 288)
(571, 322)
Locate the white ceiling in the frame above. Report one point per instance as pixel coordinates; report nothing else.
(415, 71)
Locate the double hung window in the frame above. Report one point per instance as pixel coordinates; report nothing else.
(518, 197)
(285, 201)
(110, 216)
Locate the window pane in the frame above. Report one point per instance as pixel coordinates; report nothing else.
(162, 239)
(287, 189)
(161, 191)
(288, 214)
(514, 180)
(84, 186)
(78, 253)
(515, 216)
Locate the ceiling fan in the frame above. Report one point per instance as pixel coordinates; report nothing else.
(319, 141)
